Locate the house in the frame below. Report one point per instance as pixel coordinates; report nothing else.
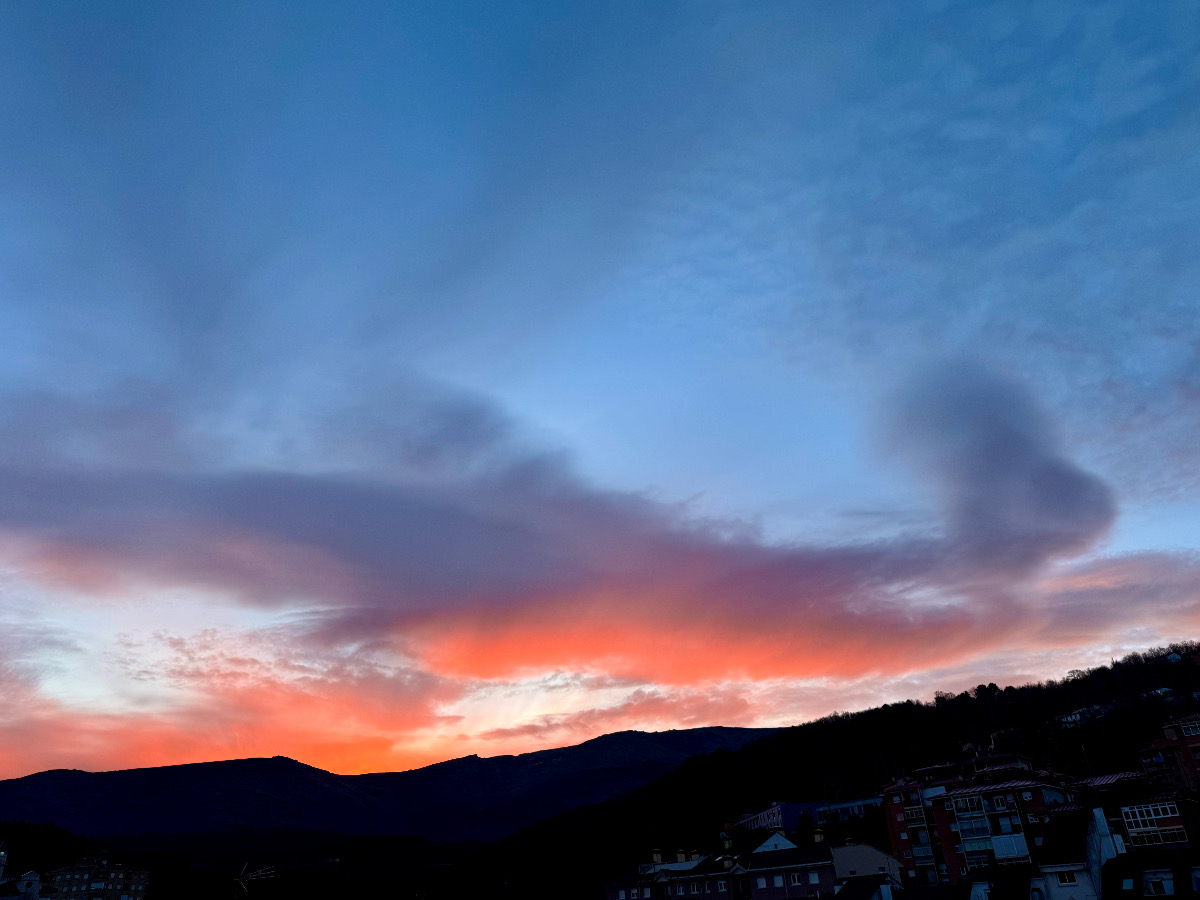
(1156, 872)
(869, 887)
(857, 860)
(27, 887)
(776, 873)
(96, 879)
(1063, 872)
(773, 869)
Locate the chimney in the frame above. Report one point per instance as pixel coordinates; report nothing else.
(727, 862)
(818, 836)
(656, 856)
(680, 856)
(694, 855)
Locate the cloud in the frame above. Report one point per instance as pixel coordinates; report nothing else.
(494, 559)
(1006, 191)
(210, 378)
(235, 696)
(1010, 499)
(643, 709)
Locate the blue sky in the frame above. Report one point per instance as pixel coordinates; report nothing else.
(677, 268)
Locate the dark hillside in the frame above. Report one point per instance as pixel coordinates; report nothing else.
(840, 757)
(845, 756)
(468, 798)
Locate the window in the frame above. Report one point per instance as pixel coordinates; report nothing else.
(814, 878)
(1157, 836)
(999, 802)
(1146, 815)
(968, 804)
(621, 894)
(1027, 795)
(720, 887)
(762, 881)
(904, 835)
(1191, 728)
(1066, 878)
(899, 817)
(777, 881)
(912, 873)
(908, 854)
(1158, 884)
(796, 877)
(681, 889)
(1127, 884)
(695, 887)
(895, 798)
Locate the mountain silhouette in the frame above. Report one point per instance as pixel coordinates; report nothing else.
(471, 798)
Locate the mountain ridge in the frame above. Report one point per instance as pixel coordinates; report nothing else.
(470, 797)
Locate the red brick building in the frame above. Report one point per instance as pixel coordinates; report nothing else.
(944, 828)
(1177, 753)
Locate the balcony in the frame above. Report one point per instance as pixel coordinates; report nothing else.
(914, 813)
(923, 853)
(976, 827)
(1010, 848)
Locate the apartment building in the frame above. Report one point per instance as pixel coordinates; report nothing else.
(944, 829)
(1177, 753)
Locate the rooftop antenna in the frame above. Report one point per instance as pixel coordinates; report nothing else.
(240, 880)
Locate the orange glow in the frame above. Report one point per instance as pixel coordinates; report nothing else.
(667, 642)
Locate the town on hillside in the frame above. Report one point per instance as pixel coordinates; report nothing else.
(996, 826)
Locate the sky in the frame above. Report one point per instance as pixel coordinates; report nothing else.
(386, 383)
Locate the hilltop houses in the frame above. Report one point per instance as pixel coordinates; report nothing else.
(988, 828)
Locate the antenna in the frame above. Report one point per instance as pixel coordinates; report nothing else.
(240, 880)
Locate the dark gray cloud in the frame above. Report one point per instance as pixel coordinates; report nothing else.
(1011, 500)
(466, 517)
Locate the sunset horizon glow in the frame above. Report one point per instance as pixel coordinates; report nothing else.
(382, 386)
